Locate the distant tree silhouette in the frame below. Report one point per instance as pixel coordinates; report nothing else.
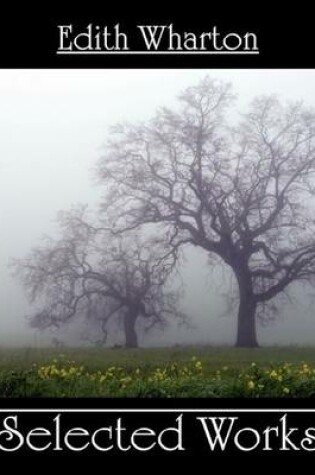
(91, 273)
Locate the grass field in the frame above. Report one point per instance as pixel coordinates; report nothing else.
(212, 357)
(158, 372)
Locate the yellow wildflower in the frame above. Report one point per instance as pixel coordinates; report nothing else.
(198, 365)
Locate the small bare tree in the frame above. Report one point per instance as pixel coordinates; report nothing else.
(91, 273)
(244, 193)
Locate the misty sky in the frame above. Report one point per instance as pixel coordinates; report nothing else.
(53, 127)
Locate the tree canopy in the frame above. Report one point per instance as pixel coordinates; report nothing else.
(241, 189)
(90, 273)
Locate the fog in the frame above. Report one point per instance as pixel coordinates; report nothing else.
(54, 125)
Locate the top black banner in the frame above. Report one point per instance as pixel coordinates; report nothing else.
(259, 39)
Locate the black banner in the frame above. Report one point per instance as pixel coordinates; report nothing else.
(131, 428)
(115, 39)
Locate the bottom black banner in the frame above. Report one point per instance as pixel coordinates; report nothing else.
(179, 430)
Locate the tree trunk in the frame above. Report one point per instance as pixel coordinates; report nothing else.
(130, 330)
(246, 325)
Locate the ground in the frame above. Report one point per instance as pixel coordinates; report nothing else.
(158, 372)
(212, 357)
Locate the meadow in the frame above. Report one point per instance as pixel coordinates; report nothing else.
(158, 372)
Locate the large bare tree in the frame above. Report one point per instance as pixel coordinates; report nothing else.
(240, 188)
(90, 273)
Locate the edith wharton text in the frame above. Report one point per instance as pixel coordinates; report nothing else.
(153, 38)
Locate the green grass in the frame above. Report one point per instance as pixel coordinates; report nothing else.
(212, 357)
(158, 372)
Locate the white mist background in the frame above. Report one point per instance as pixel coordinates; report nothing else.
(53, 128)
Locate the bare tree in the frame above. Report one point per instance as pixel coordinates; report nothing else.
(90, 273)
(244, 193)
